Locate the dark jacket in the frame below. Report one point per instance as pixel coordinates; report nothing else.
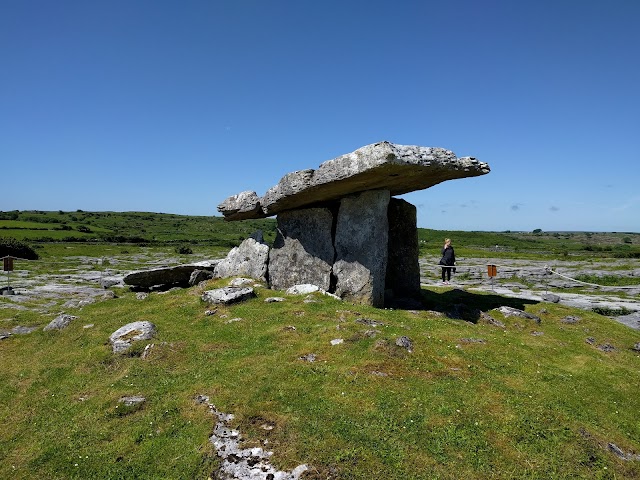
(448, 256)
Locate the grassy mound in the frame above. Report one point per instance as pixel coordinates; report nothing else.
(471, 400)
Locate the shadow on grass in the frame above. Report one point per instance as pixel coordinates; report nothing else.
(462, 305)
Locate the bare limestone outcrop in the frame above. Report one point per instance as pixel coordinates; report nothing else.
(340, 228)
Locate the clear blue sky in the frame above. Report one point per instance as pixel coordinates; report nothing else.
(172, 106)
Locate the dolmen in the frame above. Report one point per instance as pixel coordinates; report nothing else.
(339, 226)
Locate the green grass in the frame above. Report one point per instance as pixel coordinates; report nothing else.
(130, 227)
(515, 406)
(471, 401)
(163, 228)
(609, 280)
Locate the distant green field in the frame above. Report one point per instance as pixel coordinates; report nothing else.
(164, 228)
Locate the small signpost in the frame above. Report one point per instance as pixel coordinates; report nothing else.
(492, 271)
(7, 264)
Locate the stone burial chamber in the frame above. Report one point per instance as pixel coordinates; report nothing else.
(339, 227)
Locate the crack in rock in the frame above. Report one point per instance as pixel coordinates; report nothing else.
(238, 463)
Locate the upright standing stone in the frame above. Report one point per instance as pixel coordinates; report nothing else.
(362, 234)
(303, 250)
(403, 270)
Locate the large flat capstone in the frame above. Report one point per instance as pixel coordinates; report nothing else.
(379, 166)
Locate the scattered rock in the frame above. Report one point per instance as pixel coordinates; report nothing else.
(60, 322)
(379, 374)
(537, 334)
(289, 328)
(606, 347)
(515, 312)
(20, 330)
(122, 338)
(405, 342)
(369, 322)
(550, 297)
(107, 282)
(337, 341)
(242, 282)
(309, 357)
(570, 319)
(473, 340)
(621, 454)
(636, 347)
(142, 295)
(228, 295)
(303, 289)
(590, 340)
(89, 325)
(486, 318)
(132, 400)
(233, 320)
(4, 334)
(208, 313)
(273, 299)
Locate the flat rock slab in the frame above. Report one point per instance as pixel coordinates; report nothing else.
(177, 275)
(379, 166)
(228, 295)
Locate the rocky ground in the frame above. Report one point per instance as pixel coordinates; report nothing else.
(79, 281)
(547, 281)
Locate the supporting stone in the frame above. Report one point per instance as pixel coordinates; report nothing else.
(403, 270)
(361, 241)
(303, 250)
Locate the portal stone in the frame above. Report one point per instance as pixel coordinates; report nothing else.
(303, 250)
(403, 270)
(361, 240)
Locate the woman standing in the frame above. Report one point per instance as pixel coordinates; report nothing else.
(449, 259)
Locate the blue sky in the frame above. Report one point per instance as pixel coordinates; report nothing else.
(168, 106)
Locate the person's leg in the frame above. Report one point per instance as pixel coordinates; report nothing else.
(448, 274)
(443, 274)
